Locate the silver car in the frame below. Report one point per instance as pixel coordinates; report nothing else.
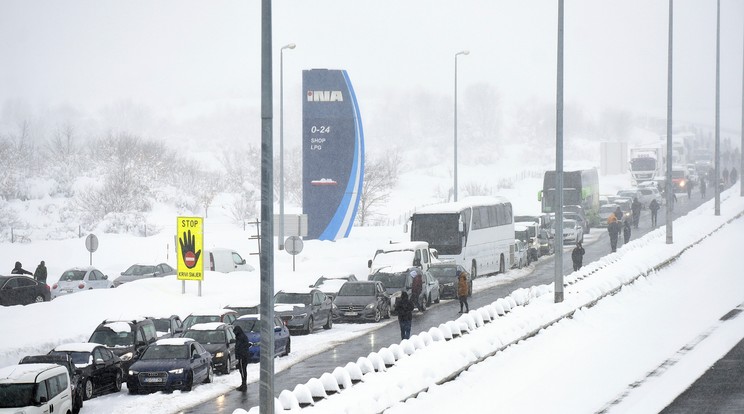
(79, 279)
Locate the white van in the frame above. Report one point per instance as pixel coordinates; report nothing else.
(225, 261)
(35, 388)
(404, 254)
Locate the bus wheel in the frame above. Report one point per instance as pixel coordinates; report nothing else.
(473, 270)
(502, 266)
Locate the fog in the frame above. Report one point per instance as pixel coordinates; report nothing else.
(173, 69)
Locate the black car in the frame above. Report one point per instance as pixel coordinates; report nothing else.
(217, 338)
(170, 364)
(144, 271)
(304, 310)
(125, 338)
(446, 274)
(76, 378)
(99, 368)
(22, 290)
(361, 301)
(167, 326)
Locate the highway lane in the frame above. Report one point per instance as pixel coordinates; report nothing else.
(596, 246)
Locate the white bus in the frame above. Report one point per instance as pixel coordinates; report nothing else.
(476, 232)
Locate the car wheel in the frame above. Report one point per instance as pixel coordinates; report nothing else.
(473, 270)
(310, 325)
(439, 295)
(329, 322)
(228, 365)
(428, 300)
(387, 312)
(502, 265)
(210, 375)
(87, 389)
(470, 289)
(422, 305)
(189, 382)
(39, 299)
(132, 390)
(288, 347)
(378, 315)
(117, 382)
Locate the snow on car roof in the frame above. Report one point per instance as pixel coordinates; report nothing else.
(173, 341)
(283, 307)
(118, 326)
(246, 304)
(211, 312)
(207, 326)
(331, 285)
(24, 372)
(253, 316)
(77, 347)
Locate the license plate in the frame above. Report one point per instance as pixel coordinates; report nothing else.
(350, 314)
(153, 379)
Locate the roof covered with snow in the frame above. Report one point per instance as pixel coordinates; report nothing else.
(208, 326)
(173, 341)
(77, 347)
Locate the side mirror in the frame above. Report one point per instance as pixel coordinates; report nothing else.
(105, 277)
(405, 228)
(232, 341)
(242, 262)
(369, 263)
(417, 262)
(277, 329)
(43, 400)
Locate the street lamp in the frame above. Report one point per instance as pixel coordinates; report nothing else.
(454, 189)
(281, 143)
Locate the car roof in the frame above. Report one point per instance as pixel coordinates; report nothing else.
(251, 316)
(84, 268)
(303, 290)
(77, 347)
(25, 373)
(174, 341)
(207, 326)
(212, 312)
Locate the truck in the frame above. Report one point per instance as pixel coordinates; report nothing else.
(580, 188)
(648, 161)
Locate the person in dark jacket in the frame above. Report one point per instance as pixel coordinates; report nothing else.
(626, 231)
(19, 270)
(463, 289)
(654, 207)
(242, 346)
(41, 272)
(734, 176)
(404, 309)
(577, 256)
(636, 207)
(702, 188)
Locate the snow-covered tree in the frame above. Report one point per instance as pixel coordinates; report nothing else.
(380, 176)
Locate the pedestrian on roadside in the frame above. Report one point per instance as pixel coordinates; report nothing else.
(613, 227)
(636, 207)
(242, 352)
(463, 290)
(725, 177)
(41, 272)
(654, 207)
(734, 176)
(626, 231)
(689, 190)
(577, 256)
(404, 309)
(702, 188)
(19, 270)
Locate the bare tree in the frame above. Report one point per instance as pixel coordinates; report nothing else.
(241, 166)
(63, 159)
(380, 176)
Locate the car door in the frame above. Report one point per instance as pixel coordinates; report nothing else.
(203, 358)
(383, 302)
(18, 292)
(280, 339)
(230, 337)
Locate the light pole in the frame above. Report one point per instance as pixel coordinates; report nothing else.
(281, 143)
(454, 189)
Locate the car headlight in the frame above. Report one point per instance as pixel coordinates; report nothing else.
(126, 357)
(176, 371)
(219, 355)
(131, 372)
(449, 284)
(371, 306)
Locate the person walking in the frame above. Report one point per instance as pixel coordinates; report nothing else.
(40, 274)
(417, 286)
(725, 177)
(636, 209)
(404, 309)
(654, 207)
(702, 187)
(613, 227)
(19, 270)
(626, 231)
(734, 176)
(689, 190)
(577, 256)
(463, 289)
(242, 351)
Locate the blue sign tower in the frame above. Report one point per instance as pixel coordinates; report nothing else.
(332, 153)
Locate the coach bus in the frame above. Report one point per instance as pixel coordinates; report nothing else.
(476, 232)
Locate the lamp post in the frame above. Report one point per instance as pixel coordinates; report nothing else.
(281, 143)
(454, 189)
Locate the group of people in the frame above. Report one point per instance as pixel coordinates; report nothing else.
(40, 274)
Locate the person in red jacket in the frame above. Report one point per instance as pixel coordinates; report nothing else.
(463, 289)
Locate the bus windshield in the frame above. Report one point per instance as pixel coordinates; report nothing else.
(441, 231)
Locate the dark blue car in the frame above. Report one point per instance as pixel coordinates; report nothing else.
(251, 325)
(170, 364)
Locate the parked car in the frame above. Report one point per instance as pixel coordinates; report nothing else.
(546, 241)
(227, 316)
(446, 274)
(125, 338)
(79, 279)
(604, 213)
(218, 338)
(527, 233)
(361, 301)
(225, 261)
(649, 194)
(76, 378)
(167, 326)
(245, 308)
(304, 310)
(251, 325)
(100, 369)
(35, 388)
(144, 271)
(521, 258)
(330, 284)
(397, 279)
(631, 194)
(22, 290)
(583, 223)
(170, 364)
(572, 231)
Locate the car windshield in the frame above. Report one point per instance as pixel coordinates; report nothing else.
(71, 275)
(78, 358)
(248, 325)
(165, 352)
(607, 209)
(16, 395)
(289, 298)
(162, 324)
(444, 274)
(192, 320)
(112, 339)
(206, 337)
(391, 280)
(136, 270)
(357, 289)
(627, 193)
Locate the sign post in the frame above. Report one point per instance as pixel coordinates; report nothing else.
(293, 246)
(190, 235)
(91, 243)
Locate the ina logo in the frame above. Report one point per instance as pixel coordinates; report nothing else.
(325, 96)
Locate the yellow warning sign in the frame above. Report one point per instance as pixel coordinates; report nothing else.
(190, 235)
